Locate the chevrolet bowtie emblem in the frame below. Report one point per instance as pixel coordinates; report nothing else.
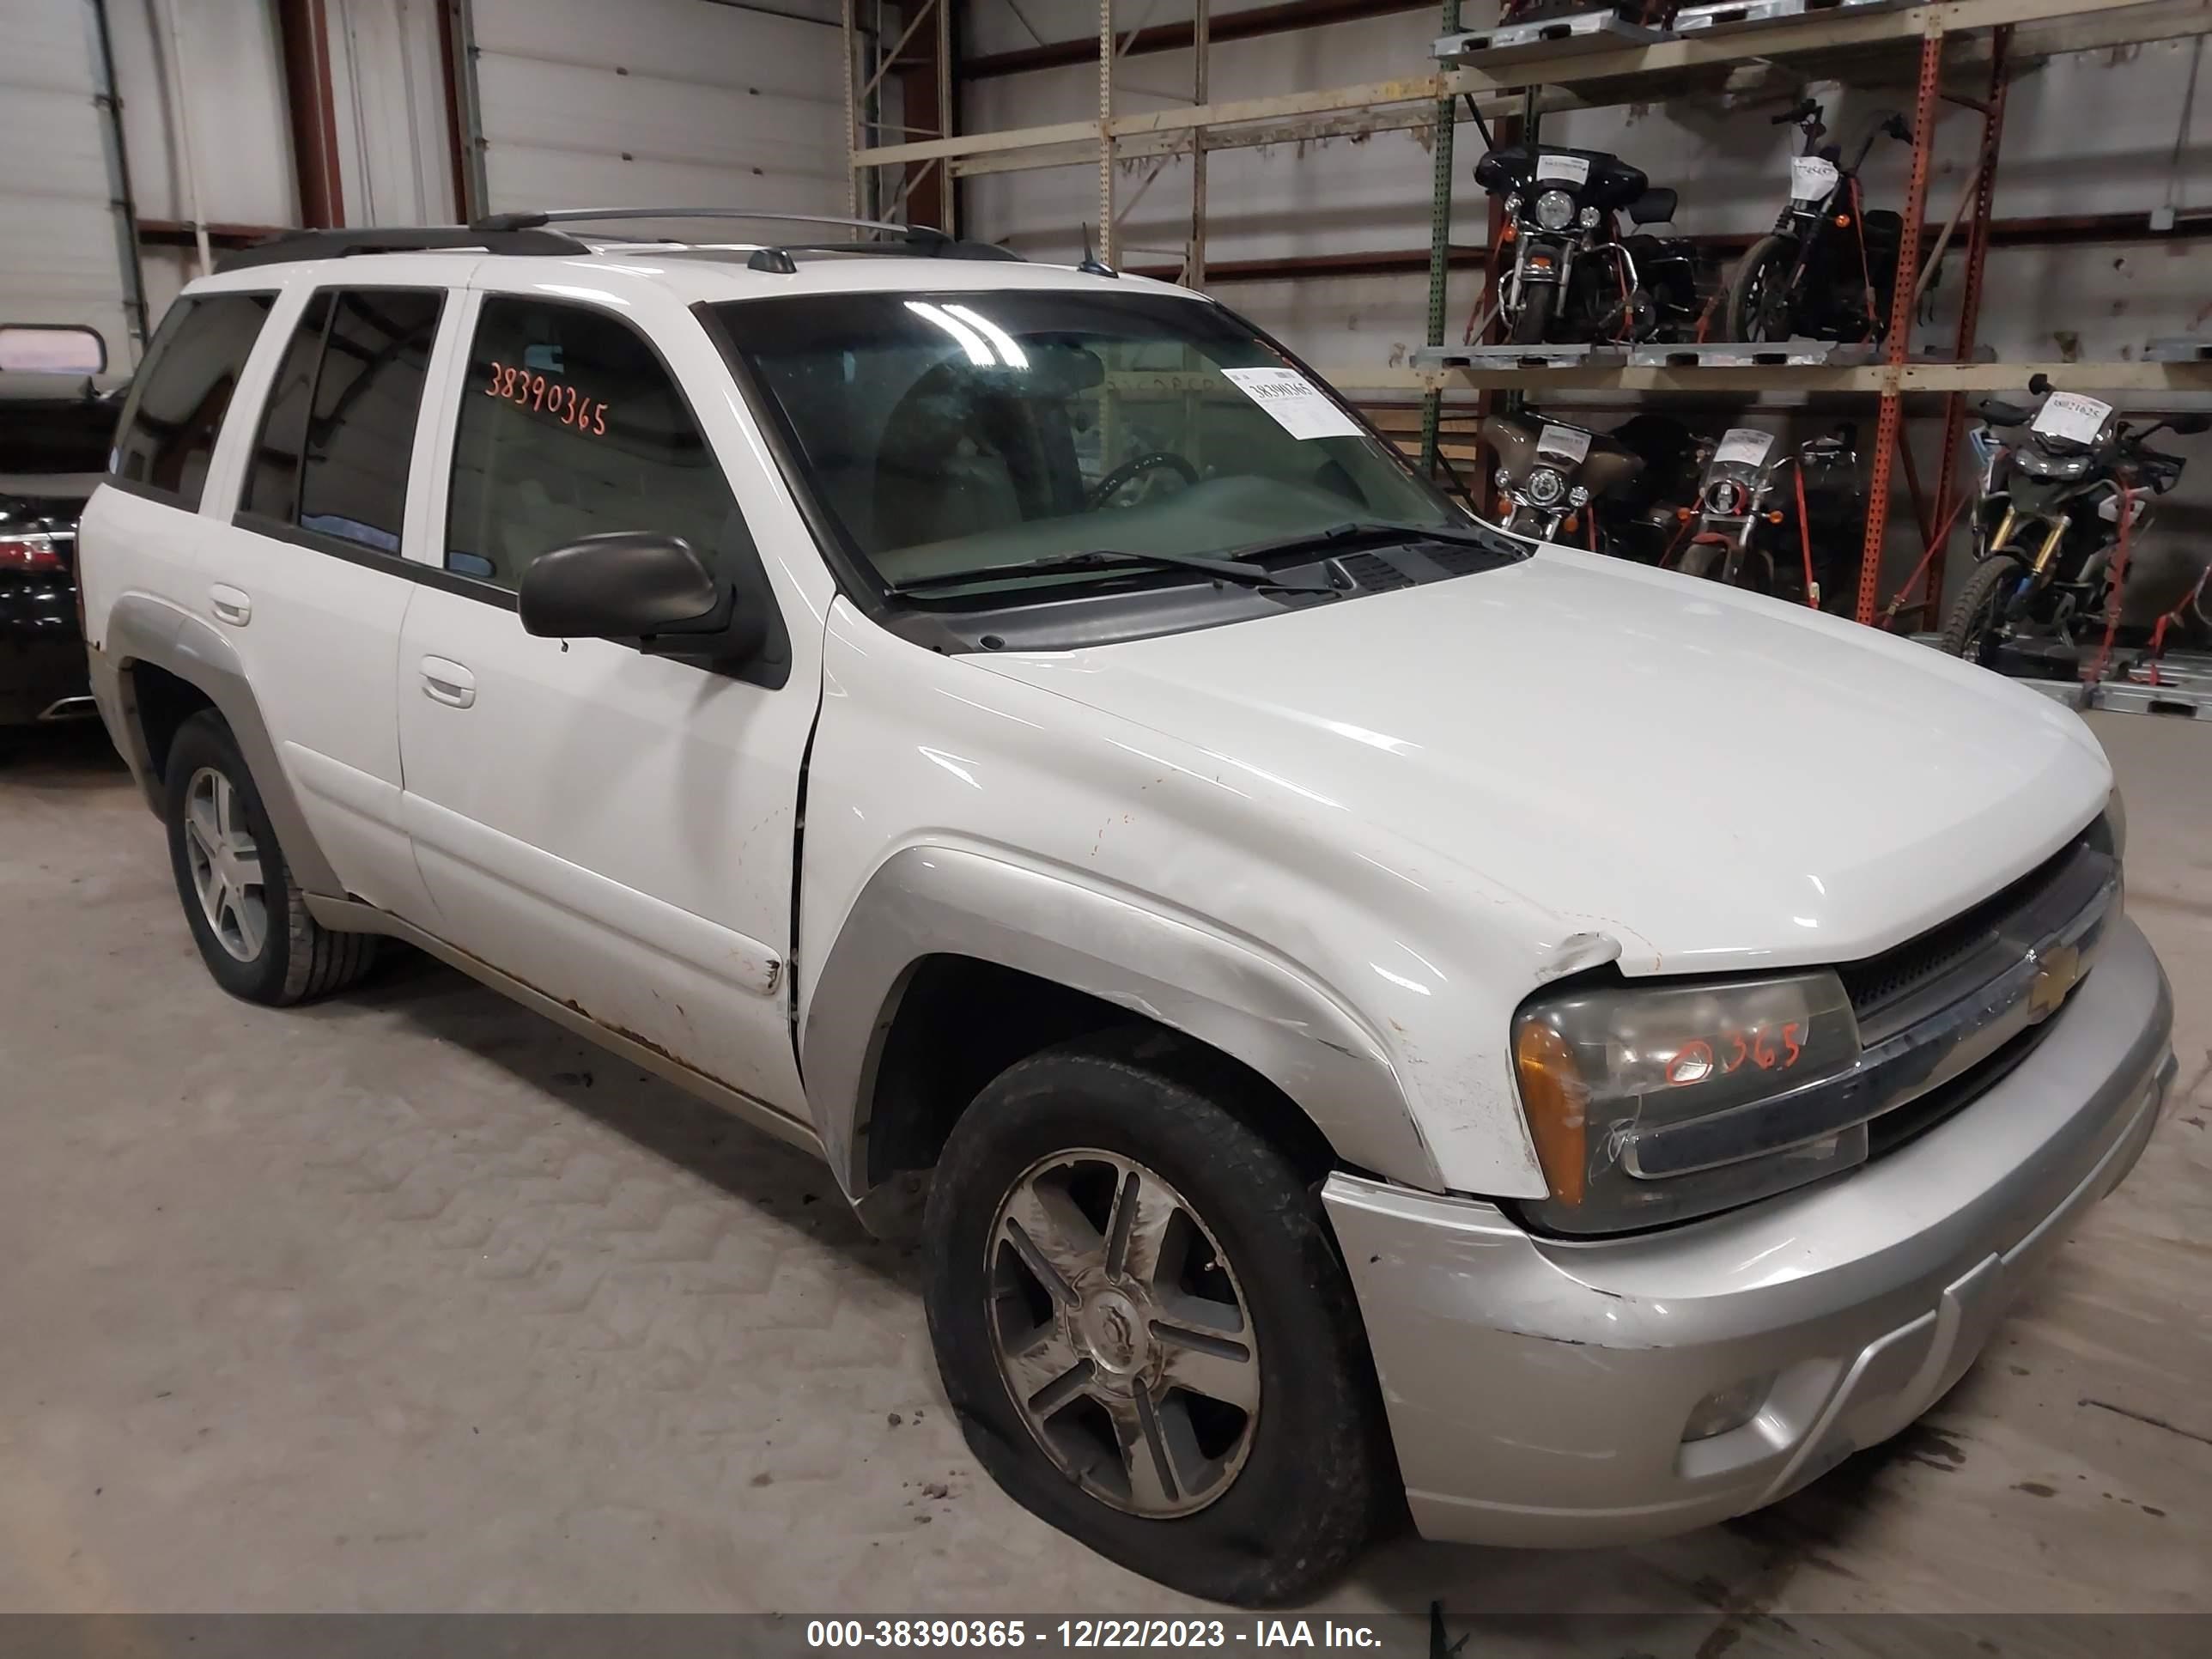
(2059, 969)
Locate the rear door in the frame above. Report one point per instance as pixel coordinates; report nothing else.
(615, 830)
(307, 578)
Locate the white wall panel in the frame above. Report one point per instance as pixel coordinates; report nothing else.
(234, 95)
(395, 157)
(60, 258)
(673, 102)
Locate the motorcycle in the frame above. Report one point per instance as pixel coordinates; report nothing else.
(1574, 277)
(1650, 14)
(2061, 484)
(1828, 268)
(1551, 476)
(1790, 548)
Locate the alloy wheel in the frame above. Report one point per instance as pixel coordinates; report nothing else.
(1122, 1334)
(225, 864)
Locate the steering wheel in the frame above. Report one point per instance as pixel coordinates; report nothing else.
(1124, 475)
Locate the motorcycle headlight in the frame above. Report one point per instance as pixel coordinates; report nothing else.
(1578, 496)
(1543, 486)
(1649, 1104)
(1588, 220)
(2037, 465)
(1555, 209)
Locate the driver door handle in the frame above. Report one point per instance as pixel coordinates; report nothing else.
(230, 605)
(449, 683)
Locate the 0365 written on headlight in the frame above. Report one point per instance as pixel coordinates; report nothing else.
(1768, 1048)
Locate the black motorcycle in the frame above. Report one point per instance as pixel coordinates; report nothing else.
(1574, 278)
(2058, 484)
(1828, 270)
(1777, 521)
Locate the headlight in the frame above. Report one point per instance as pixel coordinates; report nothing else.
(1649, 1104)
(2037, 465)
(1555, 209)
(1588, 220)
(2115, 823)
(1578, 496)
(1543, 486)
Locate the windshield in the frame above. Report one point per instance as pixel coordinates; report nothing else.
(949, 433)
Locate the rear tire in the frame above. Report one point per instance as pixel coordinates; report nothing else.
(246, 913)
(1254, 1506)
(1538, 302)
(1756, 312)
(1972, 630)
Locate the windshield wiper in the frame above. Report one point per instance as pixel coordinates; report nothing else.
(1231, 570)
(1361, 529)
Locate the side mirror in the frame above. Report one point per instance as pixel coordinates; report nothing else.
(627, 585)
(2189, 425)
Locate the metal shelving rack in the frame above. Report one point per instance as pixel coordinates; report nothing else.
(1963, 51)
(1859, 45)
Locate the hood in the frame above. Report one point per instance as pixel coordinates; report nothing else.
(1712, 780)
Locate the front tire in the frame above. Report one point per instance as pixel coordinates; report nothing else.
(1143, 1327)
(246, 912)
(1537, 301)
(1975, 628)
(1758, 301)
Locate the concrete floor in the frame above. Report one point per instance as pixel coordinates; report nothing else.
(410, 1300)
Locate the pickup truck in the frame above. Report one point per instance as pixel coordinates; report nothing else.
(1387, 1015)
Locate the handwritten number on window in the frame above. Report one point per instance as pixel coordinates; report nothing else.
(534, 392)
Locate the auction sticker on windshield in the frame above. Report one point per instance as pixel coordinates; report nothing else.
(1299, 406)
(1569, 442)
(1575, 169)
(2070, 414)
(1745, 445)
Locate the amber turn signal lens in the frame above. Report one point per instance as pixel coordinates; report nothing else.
(1843, 221)
(1506, 233)
(1556, 1101)
(1774, 518)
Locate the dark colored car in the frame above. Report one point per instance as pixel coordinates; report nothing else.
(55, 433)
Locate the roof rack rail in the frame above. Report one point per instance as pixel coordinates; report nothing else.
(538, 218)
(772, 257)
(295, 244)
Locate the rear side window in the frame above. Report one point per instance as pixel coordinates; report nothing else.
(338, 428)
(182, 390)
(572, 426)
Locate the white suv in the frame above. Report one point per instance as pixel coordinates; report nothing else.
(1384, 1007)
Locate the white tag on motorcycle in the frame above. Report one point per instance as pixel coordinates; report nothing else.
(1744, 446)
(2070, 414)
(1298, 406)
(1550, 164)
(1812, 179)
(1567, 442)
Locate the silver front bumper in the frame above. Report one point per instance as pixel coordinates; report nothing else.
(1538, 1389)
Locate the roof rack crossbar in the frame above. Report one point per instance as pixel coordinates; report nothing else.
(533, 219)
(296, 245)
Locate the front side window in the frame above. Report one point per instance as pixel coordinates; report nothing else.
(183, 390)
(949, 433)
(571, 427)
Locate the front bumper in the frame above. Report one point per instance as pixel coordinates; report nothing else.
(1538, 1389)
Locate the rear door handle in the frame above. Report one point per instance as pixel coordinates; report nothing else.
(449, 683)
(230, 605)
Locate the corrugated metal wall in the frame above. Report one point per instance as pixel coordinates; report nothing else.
(62, 259)
(661, 102)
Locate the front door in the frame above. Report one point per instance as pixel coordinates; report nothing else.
(614, 830)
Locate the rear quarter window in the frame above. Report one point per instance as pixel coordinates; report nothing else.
(183, 391)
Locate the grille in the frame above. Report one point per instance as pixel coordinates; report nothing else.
(1880, 982)
(1373, 572)
(1463, 561)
